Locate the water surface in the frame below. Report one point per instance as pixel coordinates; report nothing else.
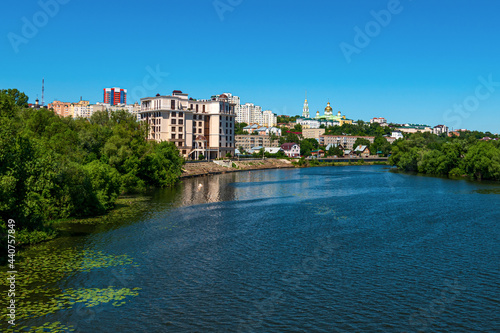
(330, 249)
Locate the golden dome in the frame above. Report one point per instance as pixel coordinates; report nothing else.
(328, 107)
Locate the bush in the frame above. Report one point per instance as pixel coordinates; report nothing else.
(456, 172)
(106, 183)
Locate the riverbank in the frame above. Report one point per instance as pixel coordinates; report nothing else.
(210, 168)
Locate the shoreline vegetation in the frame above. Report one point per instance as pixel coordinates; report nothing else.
(54, 168)
(57, 170)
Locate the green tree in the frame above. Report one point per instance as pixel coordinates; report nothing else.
(362, 142)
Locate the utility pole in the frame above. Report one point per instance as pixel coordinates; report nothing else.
(43, 91)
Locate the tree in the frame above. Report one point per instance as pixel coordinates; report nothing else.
(334, 151)
(362, 142)
(307, 146)
(238, 130)
(380, 144)
(19, 98)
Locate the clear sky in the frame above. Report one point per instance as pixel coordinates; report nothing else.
(423, 61)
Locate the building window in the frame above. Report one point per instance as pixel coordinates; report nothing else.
(181, 122)
(201, 124)
(174, 122)
(173, 136)
(197, 107)
(181, 114)
(203, 108)
(173, 129)
(191, 106)
(180, 136)
(180, 129)
(199, 130)
(172, 105)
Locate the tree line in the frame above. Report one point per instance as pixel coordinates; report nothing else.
(466, 155)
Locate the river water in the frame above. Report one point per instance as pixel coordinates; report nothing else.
(328, 249)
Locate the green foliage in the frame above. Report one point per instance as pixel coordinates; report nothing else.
(380, 144)
(201, 157)
(454, 157)
(334, 151)
(362, 142)
(360, 129)
(105, 182)
(54, 168)
(289, 137)
(238, 130)
(308, 145)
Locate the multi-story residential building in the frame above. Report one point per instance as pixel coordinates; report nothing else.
(62, 109)
(130, 108)
(249, 113)
(250, 141)
(414, 128)
(230, 98)
(397, 135)
(197, 127)
(381, 121)
(114, 96)
(440, 129)
(389, 139)
(82, 109)
(312, 133)
(269, 118)
(316, 123)
(346, 141)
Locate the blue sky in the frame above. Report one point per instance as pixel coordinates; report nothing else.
(424, 64)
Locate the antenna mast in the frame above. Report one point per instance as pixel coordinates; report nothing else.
(43, 90)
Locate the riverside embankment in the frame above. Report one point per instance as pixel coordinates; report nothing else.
(194, 169)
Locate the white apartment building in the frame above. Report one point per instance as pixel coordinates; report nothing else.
(380, 120)
(269, 118)
(197, 127)
(230, 98)
(249, 113)
(440, 129)
(397, 135)
(83, 109)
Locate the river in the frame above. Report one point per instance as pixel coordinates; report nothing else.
(327, 249)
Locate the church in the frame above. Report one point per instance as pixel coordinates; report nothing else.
(328, 118)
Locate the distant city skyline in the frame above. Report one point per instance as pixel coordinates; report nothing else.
(406, 61)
